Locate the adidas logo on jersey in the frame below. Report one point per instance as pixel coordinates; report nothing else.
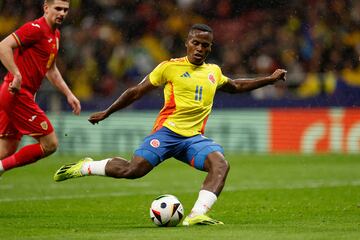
(186, 75)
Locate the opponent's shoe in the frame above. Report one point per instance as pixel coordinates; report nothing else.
(72, 170)
(200, 220)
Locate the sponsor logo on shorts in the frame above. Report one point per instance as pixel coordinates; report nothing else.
(44, 125)
(155, 143)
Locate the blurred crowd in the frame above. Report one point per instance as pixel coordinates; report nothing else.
(108, 45)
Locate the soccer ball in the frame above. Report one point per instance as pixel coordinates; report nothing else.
(166, 211)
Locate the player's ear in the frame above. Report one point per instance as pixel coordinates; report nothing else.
(187, 43)
(45, 6)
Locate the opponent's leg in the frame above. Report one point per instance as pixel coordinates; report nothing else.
(8, 147)
(112, 167)
(30, 153)
(217, 168)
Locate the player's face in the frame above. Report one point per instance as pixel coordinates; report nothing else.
(198, 46)
(55, 12)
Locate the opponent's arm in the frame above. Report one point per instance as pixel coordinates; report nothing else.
(7, 58)
(54, 76)
(126, 98)
(244, 85)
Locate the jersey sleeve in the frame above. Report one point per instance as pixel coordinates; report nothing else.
(222, 78)
(27, 34)
(157, 77)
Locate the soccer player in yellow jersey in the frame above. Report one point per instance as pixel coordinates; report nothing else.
(189, 88)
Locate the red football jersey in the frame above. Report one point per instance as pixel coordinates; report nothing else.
(38, 48)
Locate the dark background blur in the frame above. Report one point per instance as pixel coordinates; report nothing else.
(109, 45)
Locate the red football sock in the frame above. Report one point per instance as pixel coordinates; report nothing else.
(26, 155)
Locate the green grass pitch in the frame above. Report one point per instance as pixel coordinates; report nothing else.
(266, 197)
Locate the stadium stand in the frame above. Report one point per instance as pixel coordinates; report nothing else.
(109, 45)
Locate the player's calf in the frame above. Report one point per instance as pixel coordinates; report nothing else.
(26, 155)
(121, 168)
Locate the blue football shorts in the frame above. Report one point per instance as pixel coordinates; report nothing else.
(164, 144)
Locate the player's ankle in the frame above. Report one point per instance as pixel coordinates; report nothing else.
(193, 214)
(94, 168)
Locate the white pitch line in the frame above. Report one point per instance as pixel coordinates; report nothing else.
(244, 187)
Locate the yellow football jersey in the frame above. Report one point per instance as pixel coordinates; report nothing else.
(189, 93)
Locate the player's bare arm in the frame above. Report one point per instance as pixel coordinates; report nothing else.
(54, 76)
(244, 85)
(7, 58)
(128, 97)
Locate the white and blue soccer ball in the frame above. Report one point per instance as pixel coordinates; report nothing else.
(166, 211)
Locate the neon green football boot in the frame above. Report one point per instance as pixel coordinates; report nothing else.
(72, 170)
(200, 220)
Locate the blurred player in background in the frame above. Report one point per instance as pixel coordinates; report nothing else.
(29, 55)
(190, 86)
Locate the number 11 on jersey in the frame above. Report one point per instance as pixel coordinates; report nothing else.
(198, 93)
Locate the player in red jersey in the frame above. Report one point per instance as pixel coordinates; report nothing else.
(29, 55)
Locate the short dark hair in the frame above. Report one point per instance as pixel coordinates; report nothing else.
(201, 27)
(52, 1)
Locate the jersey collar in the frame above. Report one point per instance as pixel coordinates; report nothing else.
(187, 60)
(44, 23)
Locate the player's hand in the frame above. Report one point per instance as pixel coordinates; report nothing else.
(279, 74)
(15, 85)
(75, 104)
(97, 117)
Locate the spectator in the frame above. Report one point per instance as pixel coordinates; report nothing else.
(106, 40)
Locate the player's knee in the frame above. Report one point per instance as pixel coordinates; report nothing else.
(223, 167)
(227, 166)
(50, 147)
(219, 167)
(138, 168)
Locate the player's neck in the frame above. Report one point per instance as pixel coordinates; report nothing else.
(52, 26)
(193, 62)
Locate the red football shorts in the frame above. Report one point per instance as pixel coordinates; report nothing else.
(20, 115)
